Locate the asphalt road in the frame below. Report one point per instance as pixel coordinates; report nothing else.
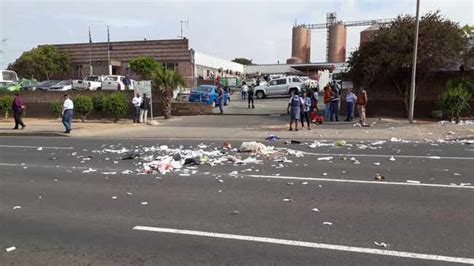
(69, 216)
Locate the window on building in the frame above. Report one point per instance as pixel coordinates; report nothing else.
(172, 66)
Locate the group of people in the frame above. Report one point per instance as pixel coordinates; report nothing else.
(141, 106)
(302, 106)
(248, 93)
(18, 108)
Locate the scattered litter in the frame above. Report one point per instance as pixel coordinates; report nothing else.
(55, 180)
(325, 174)
(287, 200)
(220, 180)
(16, 207)
(234, 212)
(392, 159)
(131, 156)
(451, 133)
(39, 197)
(130, 194)
(292, 142)
(379, 177)
(413, 181)
(202, 146)
(255, 147)
(90, 170)
(144, 202)
(9, 249)
(341, 143)
(382, 244)
(378, 143)
(114, 197)
(393, 139)
(305, 183)
(184, 174)
(227, 145)
(220, 190)
(465, 184)
(457, 174)
(39, 149)
(325, 158)
(290, 183)
(327, 223)
(315, 209)
(127, 172)
(434, 157)
(377, 163)
(109, 173)
(272, 138)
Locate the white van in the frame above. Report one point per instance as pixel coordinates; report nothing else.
(7, 78)
(115, 82)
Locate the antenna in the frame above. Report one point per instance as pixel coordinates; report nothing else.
(187, 26)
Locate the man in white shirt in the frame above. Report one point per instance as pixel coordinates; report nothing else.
(136, 101)
(244, 91)
(67, 111)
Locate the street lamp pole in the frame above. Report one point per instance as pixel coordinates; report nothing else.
(411, 108)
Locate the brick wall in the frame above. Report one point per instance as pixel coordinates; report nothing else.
(38, 104)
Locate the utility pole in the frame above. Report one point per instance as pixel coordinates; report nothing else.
(108, 51)
(181, 23)
(2, 50)
(91, 71)
(411, 107)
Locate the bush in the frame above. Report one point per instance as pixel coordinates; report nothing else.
(116, 105)
(99, 103)
(83, 105)
(56, 108)
(454, 100)
(5, 105)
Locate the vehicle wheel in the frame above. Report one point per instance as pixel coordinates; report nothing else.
(260, 95)
(99, 88)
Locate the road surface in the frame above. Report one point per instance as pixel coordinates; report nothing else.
(61, 203)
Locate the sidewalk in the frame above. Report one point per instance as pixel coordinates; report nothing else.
(242, 127)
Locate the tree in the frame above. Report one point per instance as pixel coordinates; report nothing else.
(83, 105)
(41, 62)
(455, 99)
(164, 81)
(243, 61)
(389, 55)
(116, 105)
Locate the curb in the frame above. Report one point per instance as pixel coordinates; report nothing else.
(33, 134)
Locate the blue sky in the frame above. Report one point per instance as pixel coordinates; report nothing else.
(260, 30)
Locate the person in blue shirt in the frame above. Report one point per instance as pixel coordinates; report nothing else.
(295, 105)
(307, 100)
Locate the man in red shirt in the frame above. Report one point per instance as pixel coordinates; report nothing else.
(18, 106)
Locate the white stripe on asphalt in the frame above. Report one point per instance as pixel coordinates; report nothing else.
(286, 242)
(36, 147)
(388, 156)
(359, 181)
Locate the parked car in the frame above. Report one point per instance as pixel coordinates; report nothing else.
(44, 85)
(281, 86)
(23, 84)
(7, 78)
(89, 83)
(115, 82)
(207, 94)
(64, 85)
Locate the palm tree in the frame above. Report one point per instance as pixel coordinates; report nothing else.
(166, 80)
(163, 80)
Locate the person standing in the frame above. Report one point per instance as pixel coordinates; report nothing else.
(127, 82)
(67, 112)
(351, 99)
(220, 99)
(334, 107)
(18, 106)
(251, 97)
(295, 105)
(361, 105)
(144, 107)
(327, 101)
(244, 90)
(136, 101)
(307, 109)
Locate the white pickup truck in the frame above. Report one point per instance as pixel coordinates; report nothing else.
(115, 82)
(90, 83)
(279, 86)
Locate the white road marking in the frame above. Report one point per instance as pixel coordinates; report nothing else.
(35, 147)
(286, 242)
(389, 156)
(360, 181)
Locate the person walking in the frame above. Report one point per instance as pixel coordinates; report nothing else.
(67, 113)
(220, 99)
(18, 106)
(351, 100)
(251, 97)
(361, 105)
(295, 105)
(144, 107)
(136, 101)
(243, 91)
(307, 105)
(334, 105)
(327, 101)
